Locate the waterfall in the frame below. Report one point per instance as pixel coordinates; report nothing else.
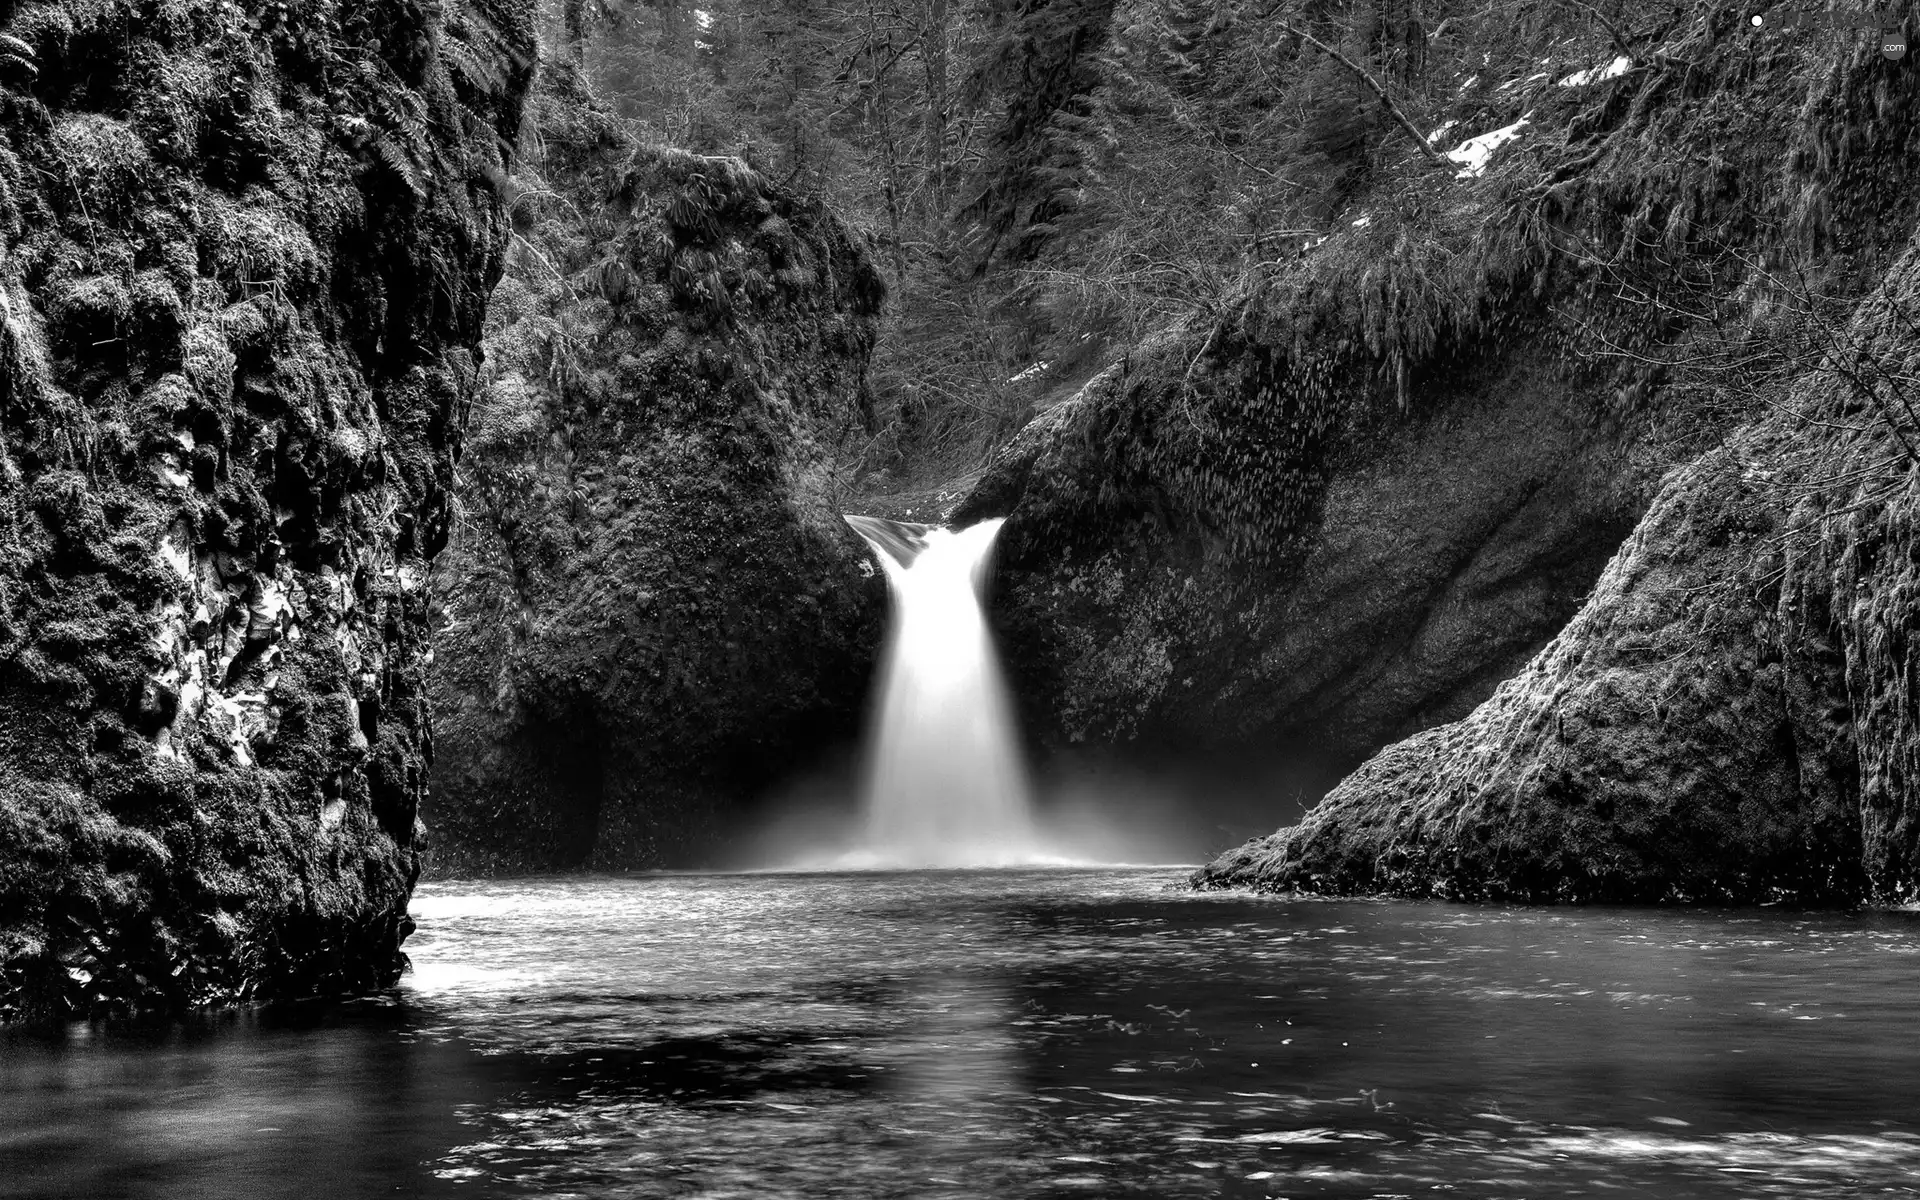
(945, 785)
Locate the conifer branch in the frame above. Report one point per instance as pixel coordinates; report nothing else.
(1399, 114)
(1613, 31)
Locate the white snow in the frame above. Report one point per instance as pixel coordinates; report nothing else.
(1030, 372)
(175, 551)
(1473, 154)
(244, 716)
(1433, 139)
(268, 603)
(1363, 222)
(1522, 82)
(1612, 70)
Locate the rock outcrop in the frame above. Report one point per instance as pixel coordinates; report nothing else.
(1339, 510)
(1733, 716)
(1428, 559)
(1729, 716)
(652, 608)
(247, 253)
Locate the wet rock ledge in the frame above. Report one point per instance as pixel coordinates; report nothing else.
(247, 253)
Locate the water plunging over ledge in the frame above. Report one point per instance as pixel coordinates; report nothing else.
(945, 785)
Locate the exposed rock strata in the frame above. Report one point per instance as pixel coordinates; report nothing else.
(247, 253)
(653, 607)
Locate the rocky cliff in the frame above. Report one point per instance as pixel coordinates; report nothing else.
(1422, 559)
(1729, 715)
(652, 608)
(1343, 508)
(247, 252)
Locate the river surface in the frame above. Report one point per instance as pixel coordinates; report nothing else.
(1018, 1034)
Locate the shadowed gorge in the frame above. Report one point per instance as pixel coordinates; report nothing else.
(986, 599)
(962, 599)
(652, 608)
(1278, 494)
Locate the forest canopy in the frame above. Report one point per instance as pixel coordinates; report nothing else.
(1047, 182)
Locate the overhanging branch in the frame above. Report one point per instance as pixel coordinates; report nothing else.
(1374, 85)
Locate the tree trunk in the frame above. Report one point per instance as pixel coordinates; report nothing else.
(676, 32)
(935, 55)
(573, 14)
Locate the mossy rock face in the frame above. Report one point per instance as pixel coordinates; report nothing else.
(1380, 478)
(1731, 717)
(247, 255)
(653, 608)
(1429, 560)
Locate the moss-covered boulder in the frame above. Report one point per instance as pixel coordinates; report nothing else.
(652, 607)
(247, 252)
(1729, 716)
(1733, 714)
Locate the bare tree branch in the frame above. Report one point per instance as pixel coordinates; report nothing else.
(1613, 31)
(1399, 114)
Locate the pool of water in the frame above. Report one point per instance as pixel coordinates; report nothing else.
(1018, 1034)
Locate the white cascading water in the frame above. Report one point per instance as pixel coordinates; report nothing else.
(945, 784)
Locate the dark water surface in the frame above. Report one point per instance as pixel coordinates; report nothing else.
(1019, 1033)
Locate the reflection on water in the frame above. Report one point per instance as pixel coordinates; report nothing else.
(1019, 1034)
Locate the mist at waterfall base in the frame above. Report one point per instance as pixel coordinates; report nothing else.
(1087, 811)
(943, 780)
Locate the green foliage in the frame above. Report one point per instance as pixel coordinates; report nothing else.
(402, 145)
(1044, 60)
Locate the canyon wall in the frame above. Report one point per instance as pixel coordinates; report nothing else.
(652, 609)
(247, 253)
(1339, 510)
(1731, 717)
